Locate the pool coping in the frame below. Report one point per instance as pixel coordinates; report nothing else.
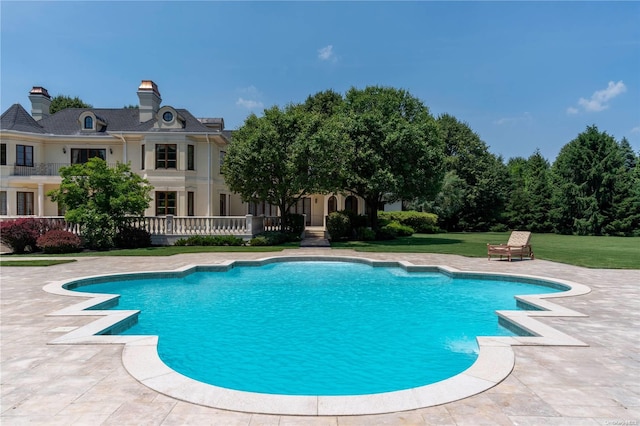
(495, 361)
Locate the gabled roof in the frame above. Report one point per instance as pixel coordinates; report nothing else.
(65, 122)
(18, 119)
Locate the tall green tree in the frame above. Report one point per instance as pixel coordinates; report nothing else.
(484, 174)
(280, 157)
(587, 185)
(517, 204)
(393, 145)
(61, 102)
(100, 199)
(626, 199)
(529, 203)
(539, 193)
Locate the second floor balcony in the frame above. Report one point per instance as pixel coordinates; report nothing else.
(40, 169)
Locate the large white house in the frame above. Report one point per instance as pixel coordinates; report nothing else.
(179, 154)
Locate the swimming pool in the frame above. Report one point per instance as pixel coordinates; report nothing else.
(461, 345)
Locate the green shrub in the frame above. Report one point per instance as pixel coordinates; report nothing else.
(294, 223)
(392, 230)
(399, 229)
(259, 240)
(500, 227)
(210, 240)
(339, 226)
(422, 223)
(58, 241)
(365, 234)
(97, 231)
(385, 233)
(356, 220)
(132, 238)
(271, 238)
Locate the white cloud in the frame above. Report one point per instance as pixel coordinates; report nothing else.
(522, 118)
(599, 101)
(326, 54)
(250, 90)
(250, 98)
(592, 105)
(635, 130)
(249, 104)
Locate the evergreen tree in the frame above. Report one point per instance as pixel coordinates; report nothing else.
(539, 191)
(517, 204)
(626, 199)
(586, 182)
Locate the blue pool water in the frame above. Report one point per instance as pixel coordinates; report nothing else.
(317, 328)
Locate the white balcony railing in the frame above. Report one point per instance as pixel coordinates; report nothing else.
(42, 169)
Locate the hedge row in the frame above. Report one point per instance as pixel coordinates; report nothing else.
(422, 223)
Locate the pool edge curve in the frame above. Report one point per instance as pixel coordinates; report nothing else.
(495, 361)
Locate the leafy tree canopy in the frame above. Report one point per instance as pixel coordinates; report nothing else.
(280, 157)
(60, 102)
(101, 198)
(393, 145)
(484, 175)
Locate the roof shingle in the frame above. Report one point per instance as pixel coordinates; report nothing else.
(18, 119)
(66, 122)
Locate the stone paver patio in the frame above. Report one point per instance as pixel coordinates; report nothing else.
(87, 384)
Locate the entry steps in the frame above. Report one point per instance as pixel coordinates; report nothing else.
(314, 237)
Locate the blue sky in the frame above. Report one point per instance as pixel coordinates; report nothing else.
(523, 75)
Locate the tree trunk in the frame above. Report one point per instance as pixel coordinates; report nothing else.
(283, 215)
(372, 206)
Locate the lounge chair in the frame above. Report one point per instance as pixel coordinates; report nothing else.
(518, 245)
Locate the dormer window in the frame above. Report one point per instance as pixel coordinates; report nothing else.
(89, 122)
(169, 118)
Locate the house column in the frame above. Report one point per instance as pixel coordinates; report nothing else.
(12, 206)
(40, 199)
(209, 159)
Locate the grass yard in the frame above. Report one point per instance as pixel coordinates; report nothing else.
(35, 262)
(167, 251)
(590, 252)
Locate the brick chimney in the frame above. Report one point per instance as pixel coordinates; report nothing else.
(40, 102)
(150, 99)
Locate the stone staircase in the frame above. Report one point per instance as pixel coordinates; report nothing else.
(314, 237)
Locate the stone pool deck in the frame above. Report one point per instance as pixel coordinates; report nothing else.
(550, 385)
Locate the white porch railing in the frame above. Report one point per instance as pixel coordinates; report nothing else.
(203, 225)
(243, 226)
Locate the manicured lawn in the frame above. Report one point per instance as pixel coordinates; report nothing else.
(171, 250)
(591, 252)
(37, 262)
